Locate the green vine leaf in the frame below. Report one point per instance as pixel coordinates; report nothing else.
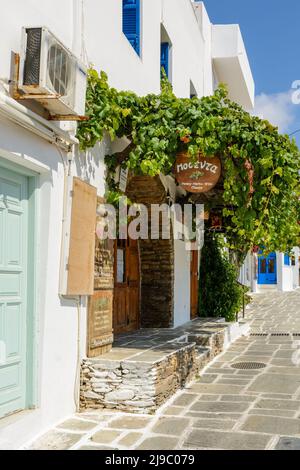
(260, 166)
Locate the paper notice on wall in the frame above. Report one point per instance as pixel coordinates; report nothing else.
(120, 266)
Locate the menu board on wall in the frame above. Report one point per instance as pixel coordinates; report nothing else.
(100, 321)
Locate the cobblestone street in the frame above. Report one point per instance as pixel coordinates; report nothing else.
(224, 408)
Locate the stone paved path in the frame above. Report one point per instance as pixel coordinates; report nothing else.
(224, 408)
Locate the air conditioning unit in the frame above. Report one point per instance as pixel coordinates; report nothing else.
(51, 72)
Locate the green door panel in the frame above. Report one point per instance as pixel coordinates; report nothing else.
(13, 287)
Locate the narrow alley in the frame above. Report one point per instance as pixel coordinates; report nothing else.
(247, 399)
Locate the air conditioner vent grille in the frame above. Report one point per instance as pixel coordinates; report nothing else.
(33, 56)
(60, 68)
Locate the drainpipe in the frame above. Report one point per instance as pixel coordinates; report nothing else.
(68, 179)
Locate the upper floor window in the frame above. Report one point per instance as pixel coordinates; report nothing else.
(165, 53)
(164, 57)
(132, 23)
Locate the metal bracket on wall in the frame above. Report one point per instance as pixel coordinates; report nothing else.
(69, 117)
(18, 95)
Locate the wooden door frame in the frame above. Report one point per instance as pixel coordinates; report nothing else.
(125, 285)
(259, 274)
(192, 274)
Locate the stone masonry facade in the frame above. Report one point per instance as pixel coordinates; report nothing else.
(156, 257)
(136, 386)
(146, 368)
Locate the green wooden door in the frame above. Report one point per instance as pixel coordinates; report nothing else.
(13, 288)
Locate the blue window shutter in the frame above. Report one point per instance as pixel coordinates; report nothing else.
(131, 23)
(164, 57)
(286, 259)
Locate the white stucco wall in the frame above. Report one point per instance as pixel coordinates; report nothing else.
(57, 321)
(246, 271)
(182, 286)
(112, 52)
(284, 274)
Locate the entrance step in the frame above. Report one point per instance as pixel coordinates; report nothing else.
(147, 367)
(266, 288)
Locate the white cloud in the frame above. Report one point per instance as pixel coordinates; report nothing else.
(277, 108)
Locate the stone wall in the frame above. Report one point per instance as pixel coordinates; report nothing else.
(157, 258)
(157, 283)
(147, 368)
(136, 386)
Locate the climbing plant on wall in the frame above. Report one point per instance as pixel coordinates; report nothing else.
(260, 167)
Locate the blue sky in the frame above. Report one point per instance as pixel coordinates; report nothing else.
(271, 33)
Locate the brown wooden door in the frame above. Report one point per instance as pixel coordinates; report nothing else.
(127, 286)
(194, 284)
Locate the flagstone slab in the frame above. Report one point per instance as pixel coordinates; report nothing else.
(284, 370)
(213, 423)
(233, 381)
(276, 383)
(278, 404)
(106, 436)
(238, 398)
(225, 440)
(216, 388)
(171, 426)
(173, 410)
(130, 439)
(197, 414)
(79, 425)
(158, 443)
(220, 407)
(185, 399)
(96, 448)
(130, 422)
(272, 425)
(208, 378)
(54, 440)
(288, 443)
(283, 413)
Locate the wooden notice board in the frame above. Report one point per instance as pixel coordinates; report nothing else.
(82, 239)
(100, 310)
(100, 335)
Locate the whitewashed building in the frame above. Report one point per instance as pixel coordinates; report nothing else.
(43, 333)
(276, 271)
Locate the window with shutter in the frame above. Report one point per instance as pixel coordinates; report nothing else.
(164, 57)
(286, 260)
(131, 23)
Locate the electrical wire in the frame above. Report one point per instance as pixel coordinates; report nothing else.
(84, 54)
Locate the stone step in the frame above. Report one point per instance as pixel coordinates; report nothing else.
(141, 379)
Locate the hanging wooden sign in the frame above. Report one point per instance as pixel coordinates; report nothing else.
(200, 176)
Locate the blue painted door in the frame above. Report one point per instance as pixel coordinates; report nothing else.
(13, 287)
(267, 269)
